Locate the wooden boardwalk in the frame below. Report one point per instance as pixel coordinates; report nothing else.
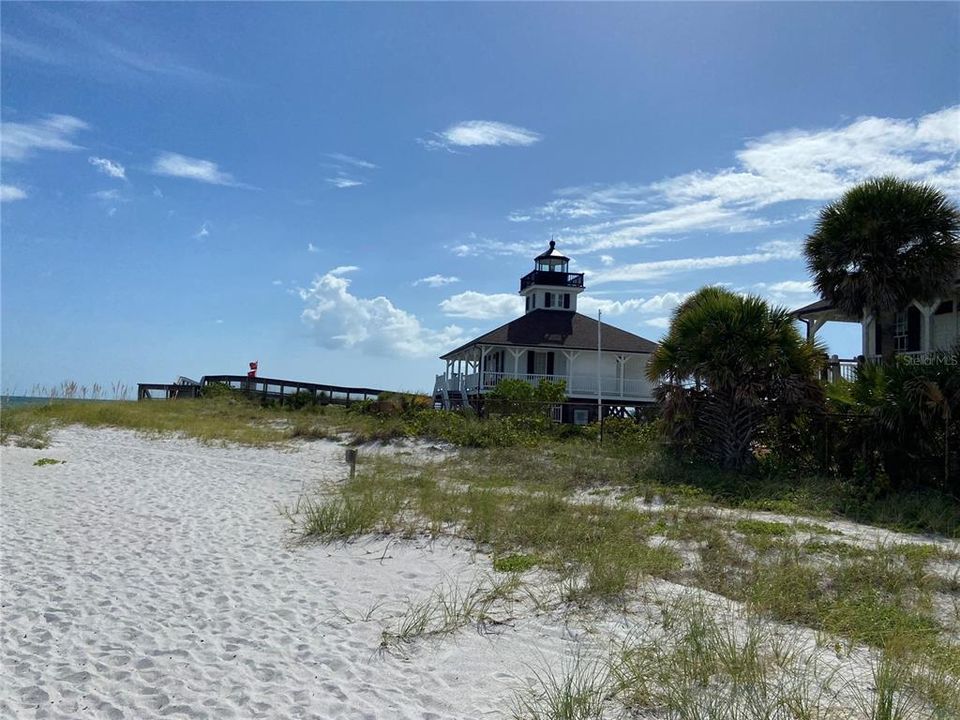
(265, 388)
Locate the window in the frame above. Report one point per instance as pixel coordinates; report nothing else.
(547, 297)
(900, 333)
(945, 308)
(566, 301)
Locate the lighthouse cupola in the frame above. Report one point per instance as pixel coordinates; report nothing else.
(551, 285)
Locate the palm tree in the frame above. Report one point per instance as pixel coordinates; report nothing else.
(728, 366)
(885, 243)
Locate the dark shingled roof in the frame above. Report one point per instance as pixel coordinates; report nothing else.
(814, 307)
(560, 329)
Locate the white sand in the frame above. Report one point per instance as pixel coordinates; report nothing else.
(154, 578)
(149, 578)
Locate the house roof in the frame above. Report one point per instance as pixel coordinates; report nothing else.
(552, 252)
(814, 307)
(564, 330)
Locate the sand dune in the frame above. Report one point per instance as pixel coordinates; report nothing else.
(153, 578)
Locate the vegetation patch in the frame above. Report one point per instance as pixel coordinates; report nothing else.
(514, 563)
(40, 462)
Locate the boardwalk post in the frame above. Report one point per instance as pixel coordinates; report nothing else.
(351, 457)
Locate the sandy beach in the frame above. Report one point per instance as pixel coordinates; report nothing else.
(158, 577)
(155, 578)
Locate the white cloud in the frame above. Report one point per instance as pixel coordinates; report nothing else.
(791, 293)
(203, 232)
(277, 282)
(477, 133)
(659, 322)
(106, 195)
(810, 166)
(108, 167)
(312, 248)
(9, 193)
(18, 141)
(350, 160)
(157, 192)
(489, 247)
(177, 165)
(589, 305)
(767, 252)
(342, 181)
(607, 259)
(480, 306)
(343, 270)
(341, 320)
(437, 280)
(111, 212)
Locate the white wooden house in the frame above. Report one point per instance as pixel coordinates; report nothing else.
(920, 328)
(552, 341)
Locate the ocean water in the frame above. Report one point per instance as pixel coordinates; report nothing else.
(9, 401)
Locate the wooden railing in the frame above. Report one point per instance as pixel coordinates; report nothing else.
(265, 388)
(556, 279)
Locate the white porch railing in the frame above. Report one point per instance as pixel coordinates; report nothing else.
(579, 385)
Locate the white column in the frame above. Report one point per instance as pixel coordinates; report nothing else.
(570, 355)
(927, 312)
(867, 319)
(516, 361)
(813, 326)
(621, 370)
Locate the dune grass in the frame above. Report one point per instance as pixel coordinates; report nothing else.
(601, 550)
(510, 450)
(209, 420)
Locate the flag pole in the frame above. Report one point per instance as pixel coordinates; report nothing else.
(599, 385)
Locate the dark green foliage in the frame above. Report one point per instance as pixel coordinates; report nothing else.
(900, 424)
(219, 391)
(517, 562)
(734, 373)
(515, 397)
(885, 243)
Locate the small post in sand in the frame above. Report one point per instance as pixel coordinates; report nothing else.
(352, 461)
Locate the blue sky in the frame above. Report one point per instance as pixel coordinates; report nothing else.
(344, 192)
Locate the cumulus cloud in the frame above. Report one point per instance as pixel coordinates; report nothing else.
(9, 193)
(437, 280)
(203, 232)
(341, 320)
(799, 165)
(18, 141)
(480, 133)
(181, 166)
(481, 306)
(108, 167)
(654, 304)
(659, 322)
(312, 248)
